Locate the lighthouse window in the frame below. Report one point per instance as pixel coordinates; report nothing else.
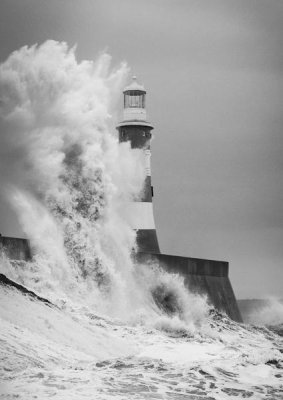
(134, 99)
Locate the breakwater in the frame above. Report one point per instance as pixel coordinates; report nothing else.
(15, 248)
(206, 277)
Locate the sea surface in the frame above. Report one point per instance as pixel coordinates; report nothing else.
(64, 352)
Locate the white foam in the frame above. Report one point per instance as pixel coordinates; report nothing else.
(270, 313)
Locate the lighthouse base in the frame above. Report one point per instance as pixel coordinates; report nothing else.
(146, 240)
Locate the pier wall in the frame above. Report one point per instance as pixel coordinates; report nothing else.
(15, 248)
(207, 277)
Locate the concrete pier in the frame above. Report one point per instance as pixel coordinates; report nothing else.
(15, 248)
(205, 277)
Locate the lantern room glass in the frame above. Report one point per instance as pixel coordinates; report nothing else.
(134, 99)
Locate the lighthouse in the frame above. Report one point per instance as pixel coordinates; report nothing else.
(208, 277)
(136, 129)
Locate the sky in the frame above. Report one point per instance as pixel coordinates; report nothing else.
(213, 70)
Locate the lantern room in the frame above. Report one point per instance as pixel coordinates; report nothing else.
(134, 95)
(134, 102)
(134, 98)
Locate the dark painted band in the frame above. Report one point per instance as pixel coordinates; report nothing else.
(147, 241)
(138, 136)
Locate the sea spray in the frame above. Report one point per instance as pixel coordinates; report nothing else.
(68, 179)
(174, 308)
(265, 312)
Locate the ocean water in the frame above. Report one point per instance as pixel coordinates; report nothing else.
(108, 330)
(65, 351)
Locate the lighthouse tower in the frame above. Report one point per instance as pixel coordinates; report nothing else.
(137, 130)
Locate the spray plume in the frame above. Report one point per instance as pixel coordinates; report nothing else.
(68, 177)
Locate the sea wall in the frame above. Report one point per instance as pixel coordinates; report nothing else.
(208, 277)
(15, 248)
(201, 276)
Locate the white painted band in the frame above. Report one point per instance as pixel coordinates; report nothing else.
(139, 215)
(134, 114)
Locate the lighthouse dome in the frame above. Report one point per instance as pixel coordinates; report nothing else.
(134, 86)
